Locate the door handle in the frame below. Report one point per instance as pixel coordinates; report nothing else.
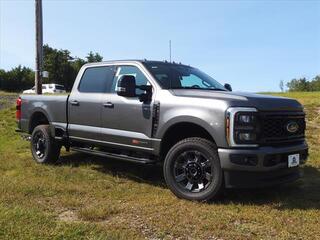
(74, 103)
(108, 105)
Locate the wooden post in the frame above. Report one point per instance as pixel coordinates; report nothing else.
(39, 46)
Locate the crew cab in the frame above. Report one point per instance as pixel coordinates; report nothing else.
(205, 136)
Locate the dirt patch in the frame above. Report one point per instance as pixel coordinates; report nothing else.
(68, 216)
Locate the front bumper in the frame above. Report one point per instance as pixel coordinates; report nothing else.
(263, 166)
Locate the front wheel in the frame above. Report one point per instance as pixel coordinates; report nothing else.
(44, 147)
(192, 170)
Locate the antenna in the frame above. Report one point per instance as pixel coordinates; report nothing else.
(170, 49)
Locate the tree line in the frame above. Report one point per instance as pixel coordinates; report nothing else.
(62, 67)
(303, 85)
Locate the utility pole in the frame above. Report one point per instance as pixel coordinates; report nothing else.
(39, 47)
(170, 49)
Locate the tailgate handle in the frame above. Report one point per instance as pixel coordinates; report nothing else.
(74, 103)
(108, 105)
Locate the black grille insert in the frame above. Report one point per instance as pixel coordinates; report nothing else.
(274, 127)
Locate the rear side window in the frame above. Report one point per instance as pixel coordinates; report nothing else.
(96, 79)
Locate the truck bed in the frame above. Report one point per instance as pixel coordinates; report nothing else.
(54, 107)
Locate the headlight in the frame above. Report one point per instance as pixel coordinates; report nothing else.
(242, 127)
(245, 118)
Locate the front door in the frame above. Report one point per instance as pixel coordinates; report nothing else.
(126, 121)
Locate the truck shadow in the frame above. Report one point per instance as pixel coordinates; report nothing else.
(151, 174)
(303, 194)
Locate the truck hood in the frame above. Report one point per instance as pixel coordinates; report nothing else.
(243, 99)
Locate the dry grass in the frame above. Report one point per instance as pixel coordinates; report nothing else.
(85, 197)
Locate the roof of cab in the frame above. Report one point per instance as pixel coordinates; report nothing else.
(134, 61)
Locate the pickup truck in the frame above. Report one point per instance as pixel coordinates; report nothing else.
(205, 136)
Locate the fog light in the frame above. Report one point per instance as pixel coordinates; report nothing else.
(249, 160)
(247, 137)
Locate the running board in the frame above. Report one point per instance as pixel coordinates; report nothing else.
(114, 155)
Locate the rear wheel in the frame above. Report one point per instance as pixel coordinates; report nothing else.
(44, 147)
(192, 170)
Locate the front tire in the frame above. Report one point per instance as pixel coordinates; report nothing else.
(192, 170)
(44, 147)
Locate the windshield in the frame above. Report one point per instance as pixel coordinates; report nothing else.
(175, 76)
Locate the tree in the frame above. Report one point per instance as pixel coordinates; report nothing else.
(16, 79)
(281, 85)
(56, 62)
(94, 57)
(62, 68)
(299, 85)
(315, 83)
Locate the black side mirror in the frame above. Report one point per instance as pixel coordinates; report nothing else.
(127, 86)
(145, 97)
(228, 87)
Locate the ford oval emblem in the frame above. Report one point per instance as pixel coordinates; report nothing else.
(292, 127)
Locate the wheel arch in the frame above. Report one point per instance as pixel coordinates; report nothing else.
(38, 117)
(181, 130)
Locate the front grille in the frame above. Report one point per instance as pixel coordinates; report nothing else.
(274, 127)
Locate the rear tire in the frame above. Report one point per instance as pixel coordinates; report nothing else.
(192, 170)
(44, 147)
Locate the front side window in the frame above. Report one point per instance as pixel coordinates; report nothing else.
(133, 71)
(96, 79)
(176, 76)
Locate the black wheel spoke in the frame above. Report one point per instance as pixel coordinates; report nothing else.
(206, 164)
(39, 144)
(208, 176)
(192, 171)
(189, 186)
(181, 177)
(197, 156)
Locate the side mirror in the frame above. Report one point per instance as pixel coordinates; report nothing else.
(228, 87)
(127, 86)
(145, 97)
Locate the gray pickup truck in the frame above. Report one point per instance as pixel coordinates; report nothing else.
(205, 136)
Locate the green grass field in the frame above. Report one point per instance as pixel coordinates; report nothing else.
(85, 197)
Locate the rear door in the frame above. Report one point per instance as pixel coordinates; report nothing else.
(85, 103)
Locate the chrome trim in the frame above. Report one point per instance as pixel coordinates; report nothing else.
(231, 112)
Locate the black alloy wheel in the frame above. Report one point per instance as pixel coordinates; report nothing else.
(44, 148)
(192, 170)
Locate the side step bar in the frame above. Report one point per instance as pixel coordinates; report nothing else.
(114, 155)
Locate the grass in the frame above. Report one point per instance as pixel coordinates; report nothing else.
(85, 197)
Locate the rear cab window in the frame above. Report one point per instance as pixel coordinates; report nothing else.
(96, 79)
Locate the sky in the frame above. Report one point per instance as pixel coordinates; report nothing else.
(252, 45)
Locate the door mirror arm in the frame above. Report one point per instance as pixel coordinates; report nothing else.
(145, 97)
